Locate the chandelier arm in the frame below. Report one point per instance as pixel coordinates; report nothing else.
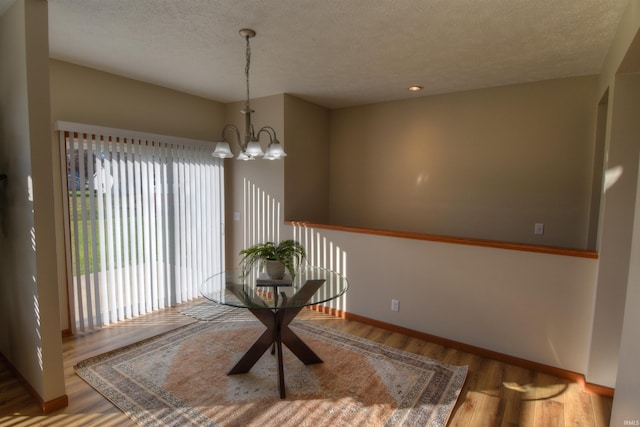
(236, 132)
(269, 131)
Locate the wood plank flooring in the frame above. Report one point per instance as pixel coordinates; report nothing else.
(494, 394)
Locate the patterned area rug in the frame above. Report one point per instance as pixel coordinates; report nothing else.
(211, 311)
(179, 379)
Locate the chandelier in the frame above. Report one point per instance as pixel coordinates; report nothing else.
(250, 148)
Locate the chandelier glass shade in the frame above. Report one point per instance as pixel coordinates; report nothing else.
(250, 147)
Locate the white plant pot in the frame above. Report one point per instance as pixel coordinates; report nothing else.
(275, 269)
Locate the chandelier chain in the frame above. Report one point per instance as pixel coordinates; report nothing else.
(246, 69)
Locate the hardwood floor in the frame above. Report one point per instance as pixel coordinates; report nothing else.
(494, 394)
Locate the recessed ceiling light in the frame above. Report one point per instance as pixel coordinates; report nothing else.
(415, 88)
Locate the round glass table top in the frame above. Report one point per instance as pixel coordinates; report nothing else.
(311, 285)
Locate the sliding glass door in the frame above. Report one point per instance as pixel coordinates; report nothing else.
(145, 221)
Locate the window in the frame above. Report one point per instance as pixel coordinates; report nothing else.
(145, 221)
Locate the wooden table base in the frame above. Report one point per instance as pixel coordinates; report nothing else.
(278, 333)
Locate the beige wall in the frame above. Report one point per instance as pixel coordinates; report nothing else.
(29, 326)
(537, 307)
(85, 95)
(300, 183)
(614, 347)
(625, 405)
(307, 166)
(618, 216)
(484, 164)
(618, 58)
(266, 175)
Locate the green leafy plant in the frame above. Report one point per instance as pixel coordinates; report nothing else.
(289, 252)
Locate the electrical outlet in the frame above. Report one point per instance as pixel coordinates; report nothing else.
(395, 305)
(538, 229)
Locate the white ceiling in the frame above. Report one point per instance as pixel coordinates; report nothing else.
(336, 53)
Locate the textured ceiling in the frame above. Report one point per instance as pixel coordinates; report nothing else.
(336, 53)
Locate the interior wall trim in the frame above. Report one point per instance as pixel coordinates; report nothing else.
(552, 250)
(46, 406)
(478, 351)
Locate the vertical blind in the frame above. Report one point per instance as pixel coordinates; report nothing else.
(145, 221)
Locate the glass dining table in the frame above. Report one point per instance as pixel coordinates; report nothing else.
(275, 303)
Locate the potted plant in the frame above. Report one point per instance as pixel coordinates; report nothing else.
(287, 254)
